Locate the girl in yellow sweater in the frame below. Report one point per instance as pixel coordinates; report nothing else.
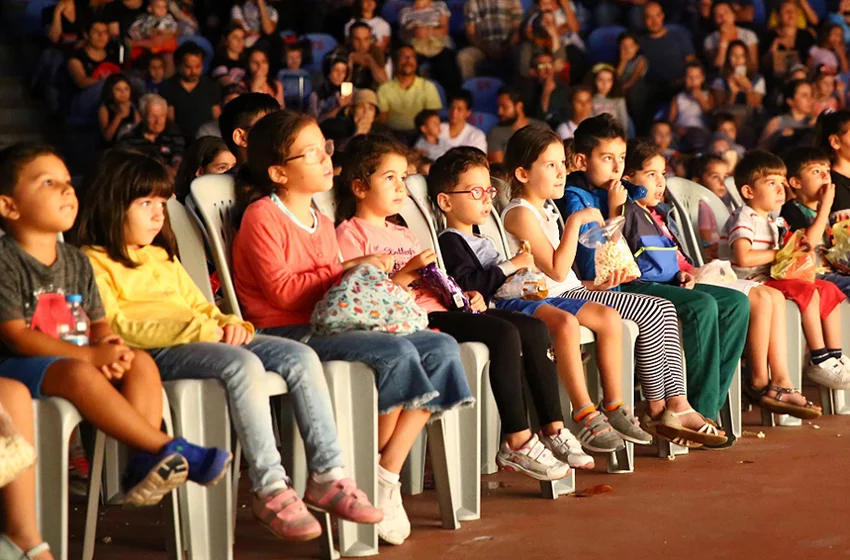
(152, 303)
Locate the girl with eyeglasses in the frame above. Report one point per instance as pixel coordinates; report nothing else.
(286, 257)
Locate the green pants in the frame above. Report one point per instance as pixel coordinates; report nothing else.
(714, 330)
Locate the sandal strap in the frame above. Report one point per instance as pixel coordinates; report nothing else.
(36, 550)
(782, 391)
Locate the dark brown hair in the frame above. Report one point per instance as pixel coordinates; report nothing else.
(13, 160)
(591, 132)
(446, 171)
(363, 156)
(122, 175)
(523, 149)
(757, 164)
(798, 158)
(200, 154)
(637, 154)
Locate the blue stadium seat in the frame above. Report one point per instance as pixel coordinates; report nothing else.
(322, 44)
(485, 93)
(390, 10)
(457, 23)
(297, 87)
(677, 29)
(759, 13)
(202, 42)
(820, 7)
(484, 121)
(32, 16)
(602, 43)
(444, 112)
(527, 6)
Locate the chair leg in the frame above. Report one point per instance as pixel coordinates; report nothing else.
(796, 345)
(443, 480)
(464, 441)
(490, 426)
(93, 496)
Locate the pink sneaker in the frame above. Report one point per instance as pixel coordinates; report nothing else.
(343, 499)
(285, 515)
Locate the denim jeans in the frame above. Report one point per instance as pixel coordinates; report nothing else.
(419, 370)
(249, 405)
(840, 280)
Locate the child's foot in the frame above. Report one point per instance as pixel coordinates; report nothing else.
(343, 499)
(207, 465)
(395, 527)
(627, 426)
(149, 477)
(596, 434)
(782, 398)
(285, 515)
(12, 551)
(691, 426)
(567, 449)
(830, 373)
(533, 459)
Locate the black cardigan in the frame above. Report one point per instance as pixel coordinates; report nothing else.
(463, 265)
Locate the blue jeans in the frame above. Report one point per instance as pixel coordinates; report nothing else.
(840, 280)
(249, 404)
(419, 370)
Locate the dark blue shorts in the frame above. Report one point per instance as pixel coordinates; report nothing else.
(30, 371)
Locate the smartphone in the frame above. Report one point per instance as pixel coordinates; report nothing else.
(346, 88)
(740, 70)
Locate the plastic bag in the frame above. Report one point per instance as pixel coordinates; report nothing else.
(839, 254)
(716, 272)
(794, 261)
(612, 251)
(445, 287)
(527, 283)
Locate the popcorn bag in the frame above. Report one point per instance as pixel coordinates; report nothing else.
(526, 283)
(612, 251)
(793, 261)
(839, 254)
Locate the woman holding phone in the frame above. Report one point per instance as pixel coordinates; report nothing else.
(334, 93)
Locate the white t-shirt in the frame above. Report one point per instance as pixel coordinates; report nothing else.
(746, 35)
(762, 232)
(469, 136)
(379, 26)
(249, 13)
(567, 130)
(431, 151)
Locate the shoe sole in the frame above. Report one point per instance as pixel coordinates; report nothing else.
(220, 475)
(514, 467)
(164, 477)
(633, 439)
(288, 538)
(394, 542)
(827, 384)
(320, 509)
(590, 447)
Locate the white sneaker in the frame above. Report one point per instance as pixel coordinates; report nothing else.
(567, 448)
(395, 527)
(533, 459)
(830, 373)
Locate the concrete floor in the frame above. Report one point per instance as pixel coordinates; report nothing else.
(783, 496)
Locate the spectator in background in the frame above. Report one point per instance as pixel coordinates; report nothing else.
(228, 94)
(152, 136)
(259, 79)
(718, 43)
(155, 77)
(63, 23)
(545, 94)
(690, 107)
(841, 18)
(183, 12)
(789, 45)
(788, 129)
(830, 50)
(91, 64)
(256, 17)
(120, 15)
(228, 65)
(492, 28)
(429, 142)
(327, 100)
(116, 115)
(607, 95)
(540, 34)
(828, 92)
(193, 98)
(237, 119)
(806, 16)
(738, 86)
(667, 54)
(581, 103)
(512, 117)
(293, 58)
(366, 11)
(631, 62)
(425, 26)
(359, 118)
(725, 138)
(458, 131)
(366, 61)
(403, 97)
(567, 26)
(207, 155)
(154, 32)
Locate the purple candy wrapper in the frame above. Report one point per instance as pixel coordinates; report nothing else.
(446, 288)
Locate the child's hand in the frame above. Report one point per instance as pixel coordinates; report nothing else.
(421, 260)
(523, 260)
(617, 194)
(235, 335)
(476, 302)
(686, 280)
(826, 196)
(383, 262)
(111, 359)
(587, 216)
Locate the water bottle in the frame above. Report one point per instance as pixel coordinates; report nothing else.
(78, 331)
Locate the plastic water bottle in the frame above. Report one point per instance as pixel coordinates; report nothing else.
(78, 332)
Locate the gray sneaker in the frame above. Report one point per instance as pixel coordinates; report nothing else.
(533, 459)
(627, 426)
(596, 434)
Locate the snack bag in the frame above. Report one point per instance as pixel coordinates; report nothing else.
(527, 283)
(716, 272)
(445, 287)
(839, 254)
(612, 251)
(795, 261)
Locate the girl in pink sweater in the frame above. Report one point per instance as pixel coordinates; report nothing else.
(285, 257)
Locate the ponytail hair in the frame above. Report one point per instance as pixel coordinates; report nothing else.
(363, 156)
(831, 123)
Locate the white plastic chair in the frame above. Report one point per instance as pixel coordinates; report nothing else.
(729, 183)
(354, 396)
(618, 461)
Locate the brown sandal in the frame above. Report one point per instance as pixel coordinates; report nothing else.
(778, 406)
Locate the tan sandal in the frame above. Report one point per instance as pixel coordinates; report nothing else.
(670, 427)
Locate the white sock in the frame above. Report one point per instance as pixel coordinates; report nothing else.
(332, 475)
(272, 489)
(387, 476)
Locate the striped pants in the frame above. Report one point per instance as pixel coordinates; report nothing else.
(658, 349)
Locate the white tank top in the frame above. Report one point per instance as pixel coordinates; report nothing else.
(548, 220)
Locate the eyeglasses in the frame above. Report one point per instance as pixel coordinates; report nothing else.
(479, 192)
(313, 154)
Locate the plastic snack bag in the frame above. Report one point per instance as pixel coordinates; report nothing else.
(445, 287)
(612, 251)
(795, 261)
(839, 254)
(527, 283)
(716, 272)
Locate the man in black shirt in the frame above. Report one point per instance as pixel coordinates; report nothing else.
(193, 98)
(151, 135)
(120, 14)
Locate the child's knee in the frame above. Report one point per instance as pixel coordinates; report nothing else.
(144, 366)
(565, 324)
(71, 376)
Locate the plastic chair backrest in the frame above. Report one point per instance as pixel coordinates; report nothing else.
(688, 195)
(202, 42)
(602, 43)
(321, 44)
(484, 121)
(417, 214)
(485, 93)
(297, 86)
(442, 92)
(688, 233)
(325, 203)
(215, 196)
(733, 191)
(493, 230)
(190, 245)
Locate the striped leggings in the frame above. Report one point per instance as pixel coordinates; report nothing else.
(658, 349)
